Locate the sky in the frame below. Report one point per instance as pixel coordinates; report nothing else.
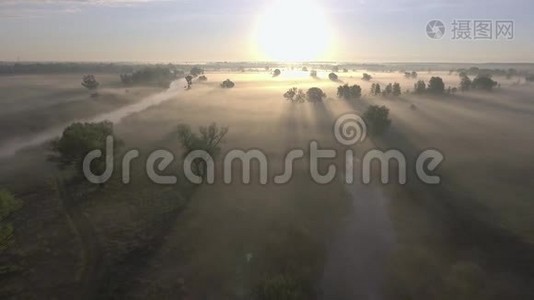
(246, 30)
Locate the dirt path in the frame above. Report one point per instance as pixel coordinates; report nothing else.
(92, 252)
(357, 255)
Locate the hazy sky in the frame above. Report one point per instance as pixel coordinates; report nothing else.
(213, 30)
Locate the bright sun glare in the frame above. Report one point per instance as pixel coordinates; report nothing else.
(293, 30)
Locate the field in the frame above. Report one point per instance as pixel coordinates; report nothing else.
(470, 237)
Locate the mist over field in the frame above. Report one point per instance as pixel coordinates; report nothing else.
(267, 150)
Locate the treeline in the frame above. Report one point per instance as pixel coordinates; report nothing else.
(64, 67)
(151, 76)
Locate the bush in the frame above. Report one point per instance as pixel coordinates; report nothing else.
(366, 77)
(8, 205)
(280, 287)
(313, 73)
(276, 73)
(202, 78)
(377, 120)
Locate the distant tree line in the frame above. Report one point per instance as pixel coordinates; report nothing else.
(150, 76)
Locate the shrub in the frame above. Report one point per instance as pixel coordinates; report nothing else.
(366, 77)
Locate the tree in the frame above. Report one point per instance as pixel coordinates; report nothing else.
(195, 71)
(483, 83)
(90, 83)
(151, 76)
(419, 87)
(227, 84)
(349, 92)
(436, 85)
(189, 80)
(202, 78)
(366, 77)
(396, 89)
(304, 69)
(388, 90)
(276, 73)
(208, 140)
(465, 83)
(295, 95)
(376, 89)
(78, 140)
(8, 205)
(332, 76)
(315, 94)
(313, 73)
(377, 120)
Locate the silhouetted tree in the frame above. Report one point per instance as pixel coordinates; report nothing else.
(195, 71)
(377, 119)
(276, 73)
(465, 83)
(208, 140)
(376, 89)
(349, 92)
(227, 84)
(315, 94)
(388, 90)
(313, 73)
(436, 85)
(189, 80)
(419, 87)
(332, 76)
(483, 83)
(295, 95)
(396, 89)
(90, 83)
(366, 77)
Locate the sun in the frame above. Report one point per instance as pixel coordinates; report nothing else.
(293, 30)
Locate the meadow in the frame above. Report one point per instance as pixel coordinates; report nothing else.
(469, 237)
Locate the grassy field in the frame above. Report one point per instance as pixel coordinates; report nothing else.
(468, 238)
